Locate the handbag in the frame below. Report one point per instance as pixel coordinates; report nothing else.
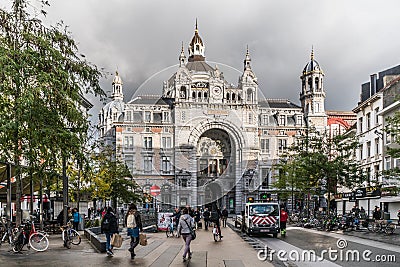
(116, 240)
(142, 240)
(192, 232)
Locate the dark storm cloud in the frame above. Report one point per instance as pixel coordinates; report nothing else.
(351, 39)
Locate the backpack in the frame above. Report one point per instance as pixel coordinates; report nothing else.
(106, 224)
(214, 216)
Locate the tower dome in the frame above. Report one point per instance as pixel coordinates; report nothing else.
(312, 66)
(196, 47)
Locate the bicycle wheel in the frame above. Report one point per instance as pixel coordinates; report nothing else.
(66, 239)
(75, 237)
(169, 233)
(38, 241)
(389, 229)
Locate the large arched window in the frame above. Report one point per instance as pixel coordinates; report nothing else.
(182, 92)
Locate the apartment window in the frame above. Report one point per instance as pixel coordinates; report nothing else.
(128, 141)
(368, 173)
(165, 116)
(148, 163)
(282, 119)
(148, 142)
(390, 138)
(360, 125)
(264, 119)
(299, 120)
(115, 116)
(147, 116)
(376, 146)
(396, 163)
(265, 176)
(282, 144)
(387, 163)
(376, 116)
(166, 142)
(376, 172)
(368, 149)
(250, 118)
(166, 164)
(264, 145)
(183, 115)
(360, 153)
(368, 118)
(129, 115)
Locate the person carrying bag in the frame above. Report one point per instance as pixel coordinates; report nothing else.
(185, 228)
(133, 222)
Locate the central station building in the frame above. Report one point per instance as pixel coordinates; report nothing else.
(205, 139)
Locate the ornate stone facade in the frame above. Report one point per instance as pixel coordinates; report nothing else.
(207, 140)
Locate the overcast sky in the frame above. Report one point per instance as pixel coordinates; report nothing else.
(351, 39)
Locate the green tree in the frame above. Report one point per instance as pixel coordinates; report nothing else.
(392, 131)
(317, 163)
(42, 81)
(112, 180)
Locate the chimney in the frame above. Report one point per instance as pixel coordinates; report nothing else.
(373, 84)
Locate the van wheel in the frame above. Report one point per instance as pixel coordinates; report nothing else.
(275, 235)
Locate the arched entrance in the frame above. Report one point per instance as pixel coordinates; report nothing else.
(215, 167)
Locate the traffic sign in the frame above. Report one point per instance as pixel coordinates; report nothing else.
(155, 190)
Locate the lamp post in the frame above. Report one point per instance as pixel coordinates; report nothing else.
(65, 187)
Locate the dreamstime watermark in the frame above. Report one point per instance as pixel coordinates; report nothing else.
(331, 254)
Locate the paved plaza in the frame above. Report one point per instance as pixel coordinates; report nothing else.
(160, 251)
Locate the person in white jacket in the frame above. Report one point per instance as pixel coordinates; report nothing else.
(185, 224)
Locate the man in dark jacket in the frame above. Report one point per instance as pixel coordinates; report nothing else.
(109, 226)
(218, 216)
(224, 216)
(206, 216)
(377, 213)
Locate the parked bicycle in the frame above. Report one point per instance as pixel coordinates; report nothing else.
(7, 233)
(385, 226)
(27, 235)
(70, 235)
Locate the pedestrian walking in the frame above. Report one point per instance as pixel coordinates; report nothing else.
(133, 222)
(109, 226)
(224, 216)
(77, 218)
(206, 216)
(196, 217)
(186, 223)
(216, 216)
(283, 219)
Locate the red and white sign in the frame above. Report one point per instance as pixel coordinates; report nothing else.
(264, 220)
(155, 190)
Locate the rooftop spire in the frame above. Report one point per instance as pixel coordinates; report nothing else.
(196, 29)
(182, 57)
(312, 52)
(247, 59)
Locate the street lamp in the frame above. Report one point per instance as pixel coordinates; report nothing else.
(65, 187)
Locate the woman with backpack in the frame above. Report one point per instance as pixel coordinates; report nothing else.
(133, 222)
(109, 226)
